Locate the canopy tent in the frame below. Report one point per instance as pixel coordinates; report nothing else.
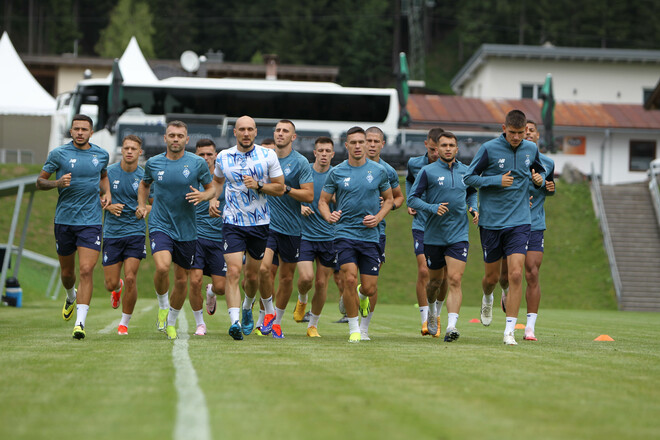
(134, 67)
(20, 93)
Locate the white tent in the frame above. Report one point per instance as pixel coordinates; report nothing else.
(134, 67)
(20, 93)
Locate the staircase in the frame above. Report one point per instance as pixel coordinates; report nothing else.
(636, 241)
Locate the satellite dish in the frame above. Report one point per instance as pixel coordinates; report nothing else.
(189, 61)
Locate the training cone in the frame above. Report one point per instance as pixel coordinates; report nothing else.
(520, 326)
(474, 321)
(604, 338)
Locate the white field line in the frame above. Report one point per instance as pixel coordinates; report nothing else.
(192, 414)
(113, 325)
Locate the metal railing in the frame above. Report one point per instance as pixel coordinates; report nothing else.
(16, 156)
(599, 208)
(654, 172)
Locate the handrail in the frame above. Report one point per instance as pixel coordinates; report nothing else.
(604, 227)
(654, 172)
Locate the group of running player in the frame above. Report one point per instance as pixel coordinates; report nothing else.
(264, 211)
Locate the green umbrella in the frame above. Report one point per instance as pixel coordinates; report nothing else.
(402, 89)
(548, 113)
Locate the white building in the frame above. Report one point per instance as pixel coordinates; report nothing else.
(497, 71)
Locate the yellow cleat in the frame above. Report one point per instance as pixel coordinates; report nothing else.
(313, 332)
(437, 334)
(299, 312)
(355, 337)
(67, 309)
(79, 332)
(257, 331)
(425, 329)
(162, 319)
(364, 304)
(171, 332)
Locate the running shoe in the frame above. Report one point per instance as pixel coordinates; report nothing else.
(122, 330)
(529, 335)
(425, 328)
(509, 339)
(307, 317)
(267, 326)
(257, 331)
(161, 321)
(432, 322)
(115, 296)
(486, 312)
(235, 331)
(342, 320)
(503, 301)
(437, 333)
(342, 309)
(452, 334)
(67, 309)
(79, 332)
(364, 304)
(171, 332)
(201, 330)
(247, 322)
(277, 332)
(210, 300)
(299, 311)
(313, 332)
(354, 337)
(364, 335)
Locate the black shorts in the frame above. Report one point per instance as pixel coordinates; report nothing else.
(69, 237)
(286, 247)
(116, 250)
(435, 255)
(183, 252)
(209, 257)
(504, 242)
(245, 238)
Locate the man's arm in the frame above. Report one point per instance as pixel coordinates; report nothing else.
(214, 204)
(418, 189)
(303, 194)
(371, 221)
(104, 185)
(479, 164)
(196, 196)
(324, 208)
(44, 184)
(143, 195)
(397, 198)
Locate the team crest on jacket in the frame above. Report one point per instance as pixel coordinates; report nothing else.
(287, 170)
(527, 162)
(370, 178)
(135, 184)
(186, 171)
(95, 161)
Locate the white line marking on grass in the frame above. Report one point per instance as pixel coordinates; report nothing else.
(113, 325)
(192, 414)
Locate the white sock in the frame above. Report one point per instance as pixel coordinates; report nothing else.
(424, 312)
(433, 307)
(71, 294)
(510, 325)
(234, 312)
(125, 318)
(247, 302)
(279, 314)
(260, 320)
(163, 300)
(302, 298)
(199, 317)
(452, 319)
(362, 297)
(268, 305)
(353, 326)
(313, 320)
(439, 307)
(209, 290)
(81, 314)
(488, 298)
(171, 317)
(364, 323)
(531, 321)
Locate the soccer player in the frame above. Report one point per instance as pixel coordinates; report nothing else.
(317, 240)
(439, 191)
(415, 164)
(502, 170)
(358, 185)
(176, 175)
(251, 172)
(536, 240)
(80, 169)
(285, 229)
(123, 233)
(208, 250)
(375, 144)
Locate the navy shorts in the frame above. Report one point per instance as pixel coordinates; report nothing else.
(382, 241)
(435, 255)
(116, 250)
(245, 238)
(209, 257)
(364, 254)
(323, 250)
(183, 252)
(504, 242)
(418, 241)
(68, 238)
(536, 241)
(287, 247)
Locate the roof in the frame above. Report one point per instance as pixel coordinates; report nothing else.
(550, 52)
(457, 112)
(20, 93)
(134, 67)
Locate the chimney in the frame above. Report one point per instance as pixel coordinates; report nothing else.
(271, 66)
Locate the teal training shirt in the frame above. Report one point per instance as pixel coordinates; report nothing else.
(78, 204)
(314, 228)
(393, 178)
(415, 164)
(124, 188)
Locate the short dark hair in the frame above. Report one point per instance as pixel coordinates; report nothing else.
(179, 124)
(204, 142)
(81, 117)
(323, 140)
(132, 137)
(268, 141)
(515, 119)
(448, 134)
(529, 121)
(354, 130)
(376, 130)
(434, 134)
(286, 121)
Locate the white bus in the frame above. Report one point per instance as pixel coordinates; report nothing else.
(210, 106)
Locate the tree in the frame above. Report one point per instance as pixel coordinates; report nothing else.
(127, 19)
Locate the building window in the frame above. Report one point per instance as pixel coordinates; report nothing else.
(647, 95)
(641, 155)
(531, 91)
